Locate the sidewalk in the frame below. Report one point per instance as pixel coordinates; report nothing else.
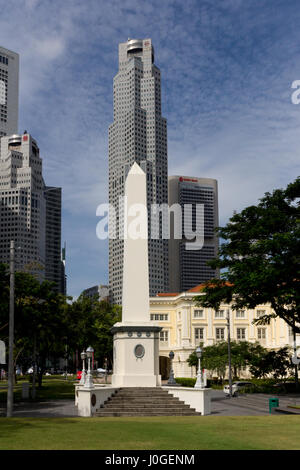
(43, 409)
(244, 405)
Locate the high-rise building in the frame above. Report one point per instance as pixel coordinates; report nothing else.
(9, 92)
(30, 212)
(53, 271)
(188, 267)
(22, 203)
(138, 134)
(101, 291)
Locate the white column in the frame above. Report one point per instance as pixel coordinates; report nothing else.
(135, 304)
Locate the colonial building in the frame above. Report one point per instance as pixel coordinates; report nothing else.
(186, 325)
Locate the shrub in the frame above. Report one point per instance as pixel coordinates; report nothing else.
(186, 381)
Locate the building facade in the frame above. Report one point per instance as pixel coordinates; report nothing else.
(186, 325)
(53, 268)
(138, 134)
(187, 266)
(23, 207)
(9, 92)
(30, 212)
(101, 291)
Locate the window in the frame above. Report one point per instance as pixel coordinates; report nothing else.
(219, 314)
(241, 333)
(261, 333)
(164, 336)
(178, 337)
(159, 316)
(240, 314)
(199, 334)
(220, 333)
(198, 313)
(260, 313)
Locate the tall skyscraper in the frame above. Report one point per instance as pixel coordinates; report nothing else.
(138, 134)
(9, 92)
(53, 269)
(188, 268)
(30, 212)
(22, 203)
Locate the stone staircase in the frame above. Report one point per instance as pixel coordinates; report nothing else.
(144, 401)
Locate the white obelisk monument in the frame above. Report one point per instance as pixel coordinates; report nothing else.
(136, 338)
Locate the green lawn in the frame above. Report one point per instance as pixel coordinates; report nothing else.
(54, 387)
(173, 433)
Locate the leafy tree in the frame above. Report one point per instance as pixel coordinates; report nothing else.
(38, 326)
(259, 259)
(46, 324)
(215, 357)
(272, 362)
(89, 322)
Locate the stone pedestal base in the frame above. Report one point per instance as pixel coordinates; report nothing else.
(136, 355)
(199, 399)
(90, 400)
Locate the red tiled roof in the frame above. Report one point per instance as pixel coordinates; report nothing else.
(198, 288)
(167, 294)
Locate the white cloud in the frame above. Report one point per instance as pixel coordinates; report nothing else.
(226, 71)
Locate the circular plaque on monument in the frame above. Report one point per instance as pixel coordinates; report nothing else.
(139, 351)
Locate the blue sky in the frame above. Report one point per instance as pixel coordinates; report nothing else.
(227, 69)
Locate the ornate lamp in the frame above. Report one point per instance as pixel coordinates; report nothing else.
(171, 380)
(199, 381)
(89, 378)
(83, 373)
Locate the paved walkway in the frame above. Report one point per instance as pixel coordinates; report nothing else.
(249, 405)
(45, 409)
(244, 405)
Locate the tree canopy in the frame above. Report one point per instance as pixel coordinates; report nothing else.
(215, 357)
(50, 327)
(259, 259)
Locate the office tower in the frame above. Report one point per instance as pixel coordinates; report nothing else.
(9, 92)
(138, 134)
(53, 270)
(22, 204)
(101, 291)
(188, 268)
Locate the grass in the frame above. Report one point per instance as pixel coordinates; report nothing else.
(54, 387)
(148, 433)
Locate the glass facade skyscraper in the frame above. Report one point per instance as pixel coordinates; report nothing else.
(138, 134)
(9, 92)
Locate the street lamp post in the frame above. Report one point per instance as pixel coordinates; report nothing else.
(10, 390)
(295, 359)
(171, 380)
(105, 366)
(229, 354)
(34, 371)
(199, 381)
(89, 378)
(83, 373)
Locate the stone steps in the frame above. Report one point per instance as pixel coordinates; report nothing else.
(144, 402)
(104, 414)
(144, 405)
